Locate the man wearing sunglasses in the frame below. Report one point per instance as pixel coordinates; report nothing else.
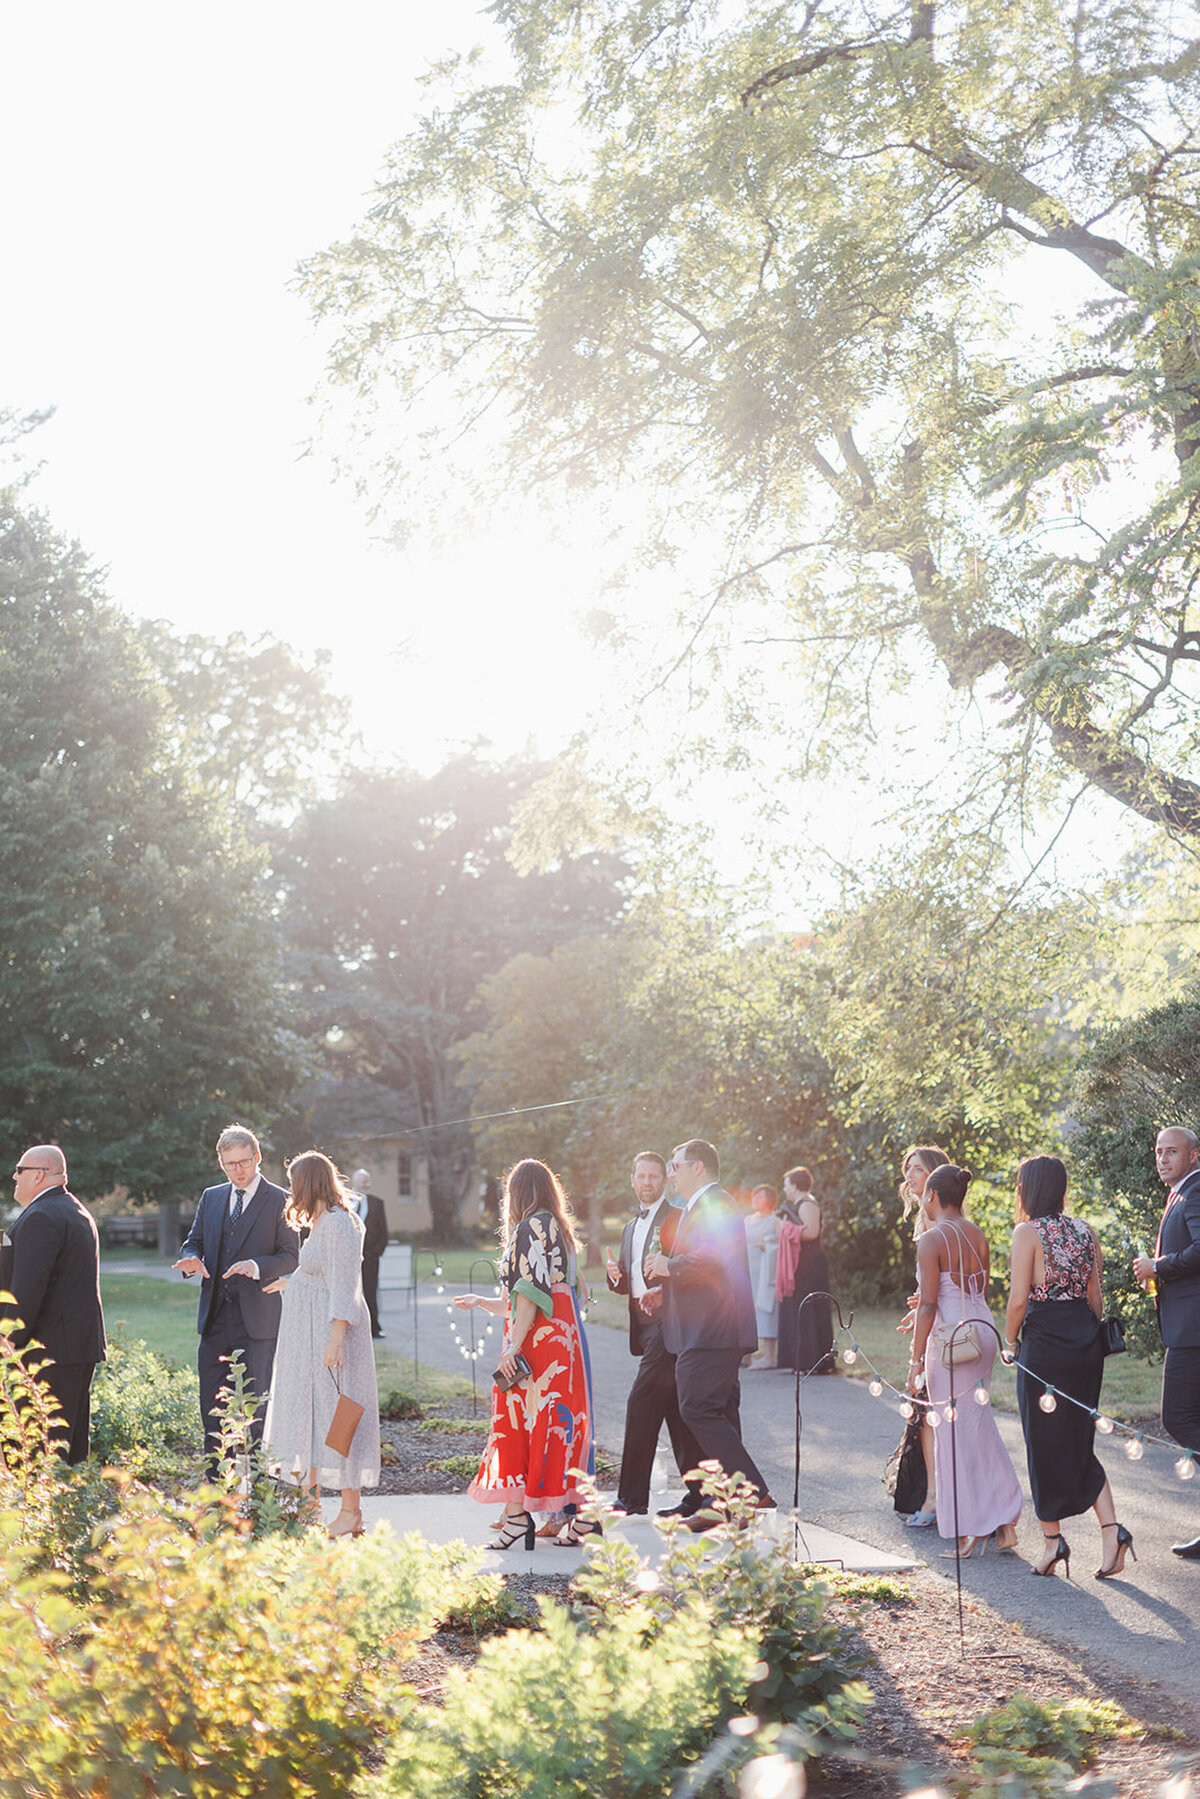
(55, 1281)
(708, 1315)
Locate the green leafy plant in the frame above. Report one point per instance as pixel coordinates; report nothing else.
(398, 1405)
(453, 1427)
(1067, 1730)
(805, 1668)
(486, 1606)
(140, 1403)
(466, 1467)
(574, 1709)
(268, 1507)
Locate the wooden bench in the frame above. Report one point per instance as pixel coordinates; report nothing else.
(140, 1228)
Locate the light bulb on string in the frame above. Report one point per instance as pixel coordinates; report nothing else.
(450, 1311)
(932, 1417)
(1104, 1425)
(876, 1389)
(950, 1413)
(849, 1356)
(441, 1289)
(496, 1292)
(982, 1396)
(438, 1271)
(1185, 1468)
(908, 1409)
(1048, 1403)
(1134, 1449)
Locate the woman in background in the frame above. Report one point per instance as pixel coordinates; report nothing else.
(1055, 1306)
(762, 1244)
(978, 1494)
(541, 1426)
(916, 1168)
(324, 1347)
(805, 1331)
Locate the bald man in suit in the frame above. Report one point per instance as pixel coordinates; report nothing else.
(55, 1282)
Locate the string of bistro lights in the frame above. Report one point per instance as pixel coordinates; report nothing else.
(944, 1412)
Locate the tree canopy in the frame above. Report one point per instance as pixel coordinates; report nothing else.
(141, 1007)
(399, 899)
(896, 310)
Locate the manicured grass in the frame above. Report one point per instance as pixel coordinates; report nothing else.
(161, 1314)
(1131, 1386)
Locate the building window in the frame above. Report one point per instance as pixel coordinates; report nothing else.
(404, 1176)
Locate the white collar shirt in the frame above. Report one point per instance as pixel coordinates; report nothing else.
(643, 1225)
(698, 1194)
(247, 1192)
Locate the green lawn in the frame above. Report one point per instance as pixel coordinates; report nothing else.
(160, 1313)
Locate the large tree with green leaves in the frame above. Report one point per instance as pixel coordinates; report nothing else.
(141, 1006)
(400, 898)
(788, 271)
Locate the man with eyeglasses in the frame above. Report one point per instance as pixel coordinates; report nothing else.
(241, 1242)
(709, 1322)
(55, 1281)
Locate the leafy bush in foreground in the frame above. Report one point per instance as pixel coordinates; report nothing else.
(139, 1402)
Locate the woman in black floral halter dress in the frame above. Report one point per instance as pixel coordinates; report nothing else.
(1055, 1303)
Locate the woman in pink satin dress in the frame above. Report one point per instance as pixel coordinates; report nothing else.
(977, 1487)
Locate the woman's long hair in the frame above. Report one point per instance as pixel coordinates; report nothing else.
(532, 1187)
(930, 1156)
(313, 1182)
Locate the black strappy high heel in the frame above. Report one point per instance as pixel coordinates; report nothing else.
(1124, 1547)
(574, 1533)
(1061, 1554)
(519, 1525)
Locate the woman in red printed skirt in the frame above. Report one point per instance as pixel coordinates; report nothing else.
(541, 1426)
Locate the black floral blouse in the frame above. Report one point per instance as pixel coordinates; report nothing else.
(538, 1258)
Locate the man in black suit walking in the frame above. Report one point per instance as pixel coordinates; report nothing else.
(709, 1322)
(55, 1280)
(1175, 1270)
(371, 1210)
(652, 1398)
(241, 1243)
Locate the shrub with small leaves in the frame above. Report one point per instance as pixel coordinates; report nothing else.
(397, 1405)
(140, 1403)
(574, 1709)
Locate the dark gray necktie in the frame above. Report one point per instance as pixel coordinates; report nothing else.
(239, 1194)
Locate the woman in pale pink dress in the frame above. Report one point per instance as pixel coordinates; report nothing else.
(977, 1486)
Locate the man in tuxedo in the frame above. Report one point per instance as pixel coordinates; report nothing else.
(709, 1322)
(55, 1281)
(652, 1398)
(371, 1210)
(1175, 1270)
(241, 1243)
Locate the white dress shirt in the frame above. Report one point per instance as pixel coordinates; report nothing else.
(642, 1227)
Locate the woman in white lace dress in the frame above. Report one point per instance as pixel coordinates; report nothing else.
(324, 1347)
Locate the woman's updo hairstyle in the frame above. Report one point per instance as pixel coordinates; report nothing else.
(950, 1183)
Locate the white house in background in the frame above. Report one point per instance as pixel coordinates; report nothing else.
(354, 1121)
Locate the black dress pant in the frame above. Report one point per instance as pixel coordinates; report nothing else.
(706, 1381)
(370, 1284)
(225, 1333)
(652, 1403)
(71, 1385)
(1181, 1396)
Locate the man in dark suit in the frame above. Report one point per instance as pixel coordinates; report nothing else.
(652, 1398)
(370, 1209)
(709, 1322)
(55, 1280)
(241, 1243)
(1175, 1270)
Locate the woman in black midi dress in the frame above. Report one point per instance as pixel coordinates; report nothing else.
(1055, 1303)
